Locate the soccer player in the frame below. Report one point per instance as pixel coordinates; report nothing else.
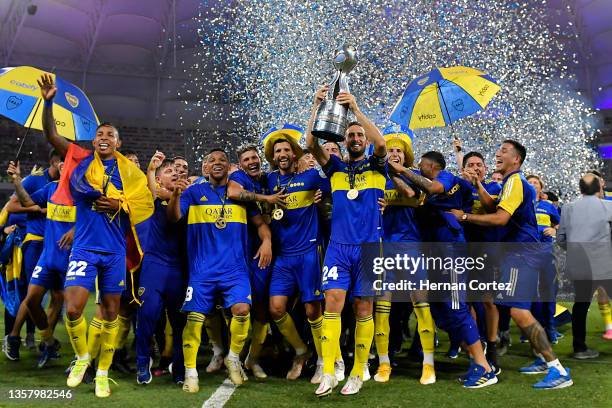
(446, 191)
(307, 161)
(131, 156)
(400, 225)
(50, 271)
(497, 177)
(162, 282)
(31, 246)
(295, 233)
(112, 202)
(548, 219)
(516, 212)
(181, 166)
(484, 194)
(217, 244)
(356, 186)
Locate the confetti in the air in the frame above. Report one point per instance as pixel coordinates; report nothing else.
(265, 59)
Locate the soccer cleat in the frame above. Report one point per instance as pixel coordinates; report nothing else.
(339, 369)
(505, 341)
(327, 385)
(428, 375)
(478, 378)
(554, 380)
(383, 372)
(143, 371)
(607, 335)
(236, 373)
(48, 353)
(178, 375)
(215, 364)
(255, 368)
(102, 386)
(191, 384)
(11, 347)
(366, 372)
(77, 372)
(30, 341)
(352, 386)
(537, 367)
(453, 352)
(120, 362)
(163, 367)
(298, 363)
(318, 375)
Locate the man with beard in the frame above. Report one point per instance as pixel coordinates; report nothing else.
(218, 268)
(356, 187)
(295, 233)
(249, 185)
(446, 191)
(162, 281)
(519, 269)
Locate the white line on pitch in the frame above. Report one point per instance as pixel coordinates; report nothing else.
(221, 395)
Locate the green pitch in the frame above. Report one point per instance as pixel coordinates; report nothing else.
(593, 383)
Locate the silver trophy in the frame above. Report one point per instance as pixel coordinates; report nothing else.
(332, 118)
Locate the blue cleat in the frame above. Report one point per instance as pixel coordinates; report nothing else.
(143, 374)
(554, 380)
(11, 347)
(48, 353)
(537, 367)
(478, 378)
(453, 352)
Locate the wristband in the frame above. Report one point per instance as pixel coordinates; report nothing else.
(48, 103)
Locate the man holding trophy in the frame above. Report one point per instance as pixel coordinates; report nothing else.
(357, 185)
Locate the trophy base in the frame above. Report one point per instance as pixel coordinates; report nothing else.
(331, 121)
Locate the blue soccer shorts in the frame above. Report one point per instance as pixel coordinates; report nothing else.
(301, 272)
(50, 272)
(84, 266)
(260, 281)
(31, 251)
(202, 294)
(519, 272)
(342, 269)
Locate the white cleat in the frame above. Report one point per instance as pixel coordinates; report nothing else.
(352, 386)
(255, 368)
(327, 385)
(191, 384)
(339, 369)
(216, 363)
(318, 375)
(236, 373)
(366, 372)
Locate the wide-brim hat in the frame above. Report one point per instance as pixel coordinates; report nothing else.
(289, 132)
(401, 138)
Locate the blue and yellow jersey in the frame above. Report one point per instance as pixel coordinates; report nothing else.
(298, 230)
(214, 253)
(399, 218)
(60, 219)
(546, 216)
(200, 180)
(98, 231)
(35, 221)
(162, 242)
(607, 195)
(437, 224)
(258, 186)
(359, 220)
(518, 199)
(477, 233)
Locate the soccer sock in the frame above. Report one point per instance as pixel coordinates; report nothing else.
(213, 331)
(108, 341)
(316, 327)
(123, 331)
(77, 331)
(606, 314)
(338, 349)
(192, 336)
(364, 333)
(287, 328)
(167, 352)
(46, 335)
(557, 364)
(426, 330)
(492, 352)
(93, 337)
(330, 340)
(239, 331)
(381, 325)
(258, 336)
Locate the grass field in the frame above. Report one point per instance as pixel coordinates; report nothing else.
(593, 383)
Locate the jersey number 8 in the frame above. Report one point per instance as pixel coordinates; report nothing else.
(189, 294)
(330, 273)
(76, 268)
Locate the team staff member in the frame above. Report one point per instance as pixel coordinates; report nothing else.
(217, 244)
(113, 203)
(516, 212)
(356, 185)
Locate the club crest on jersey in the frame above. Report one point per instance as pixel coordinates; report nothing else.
(141, 291)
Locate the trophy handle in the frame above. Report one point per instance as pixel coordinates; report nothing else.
(343, 82)
(334, 87)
